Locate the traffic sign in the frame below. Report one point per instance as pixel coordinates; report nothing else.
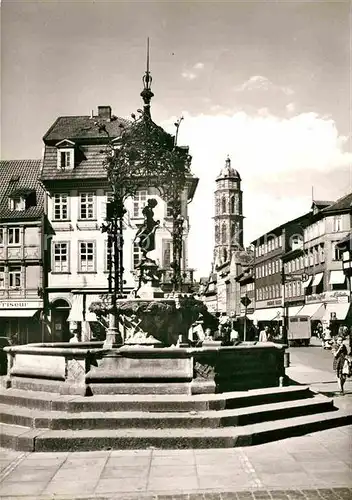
(246, 301)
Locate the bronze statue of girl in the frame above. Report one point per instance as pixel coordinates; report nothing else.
(146, 233)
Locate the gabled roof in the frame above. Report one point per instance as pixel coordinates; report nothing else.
(343, 203)
(20, 177)
(84, 127)
(321, 203)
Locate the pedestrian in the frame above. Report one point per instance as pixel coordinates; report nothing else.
(340, 353)
(264, 335)
(75, 338)
(234, 335)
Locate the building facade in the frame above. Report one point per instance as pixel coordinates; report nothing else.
(327, 294)
(78, 191)
(23, 254)
(273, 286)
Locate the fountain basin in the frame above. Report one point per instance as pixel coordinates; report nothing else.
(88, 368)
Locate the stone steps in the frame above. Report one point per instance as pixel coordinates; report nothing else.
(32, 421)
(154, 420)
(22, 438)
(160, 403)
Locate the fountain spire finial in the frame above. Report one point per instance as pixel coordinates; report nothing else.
(147, 93)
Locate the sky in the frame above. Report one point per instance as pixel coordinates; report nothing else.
(267, 83)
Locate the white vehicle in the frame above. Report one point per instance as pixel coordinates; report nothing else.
(299, 330)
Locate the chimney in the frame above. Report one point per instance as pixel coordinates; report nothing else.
(104, 112)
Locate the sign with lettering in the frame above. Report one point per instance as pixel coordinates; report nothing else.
(331, 296)
(21, 304)
(268, 303)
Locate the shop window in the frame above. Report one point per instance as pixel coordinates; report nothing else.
(60, 207)
(14, 277)
(87, 256)
(14, 235)
(61, 257)
(86, 207)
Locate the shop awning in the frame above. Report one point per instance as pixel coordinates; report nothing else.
(76, 312)
(340, 309)
(317, 279)
(89, 300)
(17, 313)
(337, 277)
(306, 283)
(314, 311)
(267, 314)
(293, 311)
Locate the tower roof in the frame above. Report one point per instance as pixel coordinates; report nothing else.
(227, 172)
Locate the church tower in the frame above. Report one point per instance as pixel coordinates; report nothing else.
(228, 220)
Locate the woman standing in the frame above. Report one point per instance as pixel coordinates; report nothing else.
(340, 353)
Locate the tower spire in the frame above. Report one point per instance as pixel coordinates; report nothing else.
(147, 93)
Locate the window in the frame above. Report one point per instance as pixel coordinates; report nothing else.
(337, 223)
(1, 236)
(322, 253)
(299, 288)
(168, 210)
(14, 277)
(337, 252)
(277, 266)
(294, 289)
(223, 205)
(139, 202)
(278, 291)
(60, 207)
(269, 268)
(167, 249)
(223, 233)
(65, 159)
(86, 209)
(2, 277)
(14, 236)
(280, 240)
(17, 203)
(87, 256)
(61, 258)
(137, 255)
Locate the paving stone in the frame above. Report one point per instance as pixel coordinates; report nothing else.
(171, 470)
(71, 487)
(327, 494)
(30, 488)
(116, 472)
(343, 493)
(121, 485)
(177, 485)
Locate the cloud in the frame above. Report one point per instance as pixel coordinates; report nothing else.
(291, 107)
(198, 65)
(277, 158)
(188, 75)
(261, 83)
(192, 75)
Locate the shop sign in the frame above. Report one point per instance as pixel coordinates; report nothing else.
(268, 303)
(21, 304)
(331, 296)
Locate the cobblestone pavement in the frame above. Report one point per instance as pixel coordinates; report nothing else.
(315, 466)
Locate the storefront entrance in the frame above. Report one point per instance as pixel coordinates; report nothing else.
(60, 310)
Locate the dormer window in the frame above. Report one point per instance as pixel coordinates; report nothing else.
(17, 203)
(65, 155)
(22, 199)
